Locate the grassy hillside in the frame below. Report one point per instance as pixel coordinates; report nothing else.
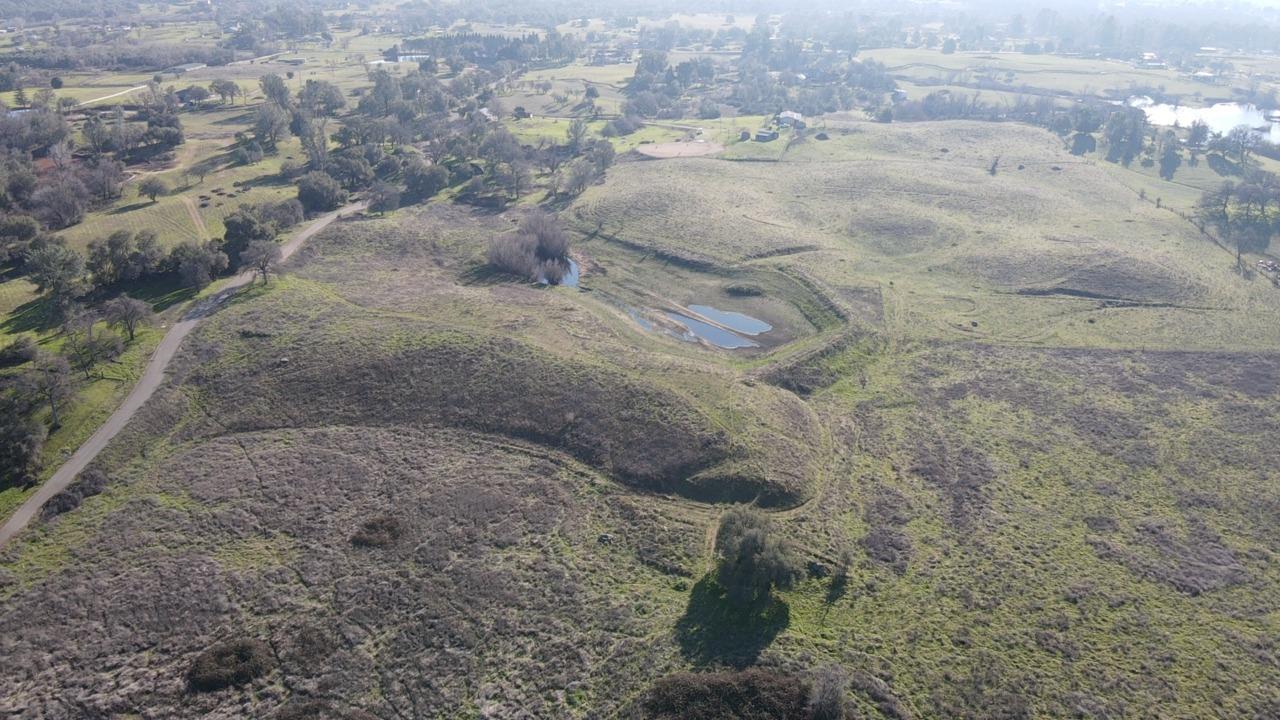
(1031, 412)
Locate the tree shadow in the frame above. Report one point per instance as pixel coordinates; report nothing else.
(716, 631)
(34, 316)
(162, 291)
(837, 589)
(130, 207)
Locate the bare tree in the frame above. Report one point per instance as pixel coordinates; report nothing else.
(261, 256)
(128, 313)
(50, 380)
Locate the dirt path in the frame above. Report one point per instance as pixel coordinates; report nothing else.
(196, 218)
(147, 384)
(114, 95)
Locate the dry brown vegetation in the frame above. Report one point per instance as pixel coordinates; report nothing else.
(431, 491)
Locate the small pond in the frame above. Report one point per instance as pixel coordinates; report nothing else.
(717, 336)
(736, 321)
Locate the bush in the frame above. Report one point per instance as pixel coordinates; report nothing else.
(538, 251)
(228, 664)
(90, 482)
(826, 697)
(752, 560)
(755, 694)
(318, 192)
(381, 531)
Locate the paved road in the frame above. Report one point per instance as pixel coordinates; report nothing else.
(150, 381)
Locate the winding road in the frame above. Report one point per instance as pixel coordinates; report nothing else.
(149, 382)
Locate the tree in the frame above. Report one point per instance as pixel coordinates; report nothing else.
(60, 202)
(383, 198)
(949, 46)
(197, 94)
(21, 439)
(581, 173)
(50, 380)
(261, 256)
(198, 263)
(226, 90)
(127, 313)
(274, 87)
(57, 270)
(86, 349)
(153, 187)
(318, 191)
(424, 180)
(124, 256)
(269, 124)
(1199, 134)
(55, 82)
(245, 227)
(321, 98)
(752, 560)
(1241, 140)
(576, 133)
(1170, 160)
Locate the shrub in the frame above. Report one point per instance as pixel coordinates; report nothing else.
(228, 664)
(754, 694)
(381, 531)
(538, 251)
(826, 697)
(514, 254)
(89, 483)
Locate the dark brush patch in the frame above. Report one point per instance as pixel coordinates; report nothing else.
(960, 472)
(1194, 563)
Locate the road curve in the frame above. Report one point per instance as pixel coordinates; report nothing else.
(147, 384)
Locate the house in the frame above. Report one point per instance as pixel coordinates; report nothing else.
(789, 118)
(766, 135)
(898, 96)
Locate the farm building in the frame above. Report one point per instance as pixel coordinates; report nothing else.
(788, 118)
(766, 135)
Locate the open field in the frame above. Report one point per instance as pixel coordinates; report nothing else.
(1036, 412)
(1052, 73)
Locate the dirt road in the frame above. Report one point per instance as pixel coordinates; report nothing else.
(114, 95)
(148, 383)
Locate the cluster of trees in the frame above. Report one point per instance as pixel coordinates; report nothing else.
(1245, 214)
(46, 380)
(657, 88)
(500, 53)
(77, 178)
(538, 251)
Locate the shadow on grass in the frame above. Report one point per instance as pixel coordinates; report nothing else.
(839, 586)
(35, 316)
(163, 292)
(715, 631)
(130, 207)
